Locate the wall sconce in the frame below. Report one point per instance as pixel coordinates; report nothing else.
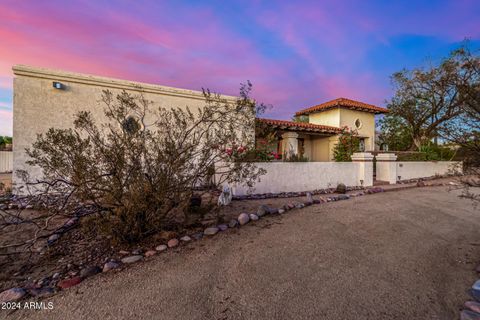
(399, 178)
(361, 182)
(58, 85)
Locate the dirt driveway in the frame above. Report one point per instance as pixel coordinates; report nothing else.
(401, 255)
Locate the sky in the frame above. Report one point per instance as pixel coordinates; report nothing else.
(295, 53)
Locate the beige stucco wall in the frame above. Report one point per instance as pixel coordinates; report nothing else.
(37, 106)
(367, 129)
(327, 118)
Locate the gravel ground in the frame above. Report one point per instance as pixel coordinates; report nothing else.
(408, 254)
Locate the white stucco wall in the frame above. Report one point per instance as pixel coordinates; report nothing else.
(37, 106)
(422, 169)
(305, 176)
(6, 161)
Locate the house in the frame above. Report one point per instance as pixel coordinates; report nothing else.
(315, 138)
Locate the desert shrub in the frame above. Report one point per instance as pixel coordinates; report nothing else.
(138, 175)
(348, 144)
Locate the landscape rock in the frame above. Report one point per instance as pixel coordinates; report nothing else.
(53, 238)
(197, 236)
(137, 252)
(123, 252)
(475, 294)
(262, 210)
(185, 239)
(222, 227)
(476, 285)
(469, 315)
(281, 210)
(12, 295)
(253, 217)
(150, 253)
(132, 259)
(299, 205)
(420, 184)
(172, 243)
(161, 248)
(309, 197)
(89, 271)
(110, 266)
(67, 283)
(341, 188)
(233, 223)
(210, 231)
(243, 218)
(343, 197)
(473, 305)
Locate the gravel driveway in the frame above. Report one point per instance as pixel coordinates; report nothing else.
(400, 255)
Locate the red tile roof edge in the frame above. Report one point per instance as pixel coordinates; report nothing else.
(300, 125)
(342, 102)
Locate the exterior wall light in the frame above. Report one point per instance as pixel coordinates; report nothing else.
(58, 85)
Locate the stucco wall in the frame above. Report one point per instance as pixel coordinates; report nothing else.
(367, 129)
(327, 118)
(421, 169)
(37, 106)
(304, 176)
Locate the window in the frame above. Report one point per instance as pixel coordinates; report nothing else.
(358, 123)
(361, 145)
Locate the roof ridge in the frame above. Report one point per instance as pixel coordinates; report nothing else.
(343, 102)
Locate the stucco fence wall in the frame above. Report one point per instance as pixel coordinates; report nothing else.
(421, 169)
(38, 106)
(304, 176)
(6, 161)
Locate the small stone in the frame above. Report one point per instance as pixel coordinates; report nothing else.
(161, 248)
(469, 315)
(253, 217)
(474, 294)
(53, 238)
(110, 266)
(56, 275)
(233, 223)
(299, 205)
(473, 305)
(309, 197)
(89, 271)
(12, 295)
(67, 283)
(281, 210)
(210, 231)
(132, 259)
(172, 243)
(343, 197)
(150, 253)
(185, 239)
(222, 227)
(123, 252)
(243, 218)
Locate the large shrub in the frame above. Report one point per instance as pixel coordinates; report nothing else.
(348, 144)
(138, 171)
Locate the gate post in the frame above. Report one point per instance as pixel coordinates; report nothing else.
(365, 168)
(387, 167)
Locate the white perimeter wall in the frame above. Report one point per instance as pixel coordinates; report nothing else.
(304, 176)
(422, 169)
(6, 161)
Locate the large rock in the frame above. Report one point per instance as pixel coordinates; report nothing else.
(132, 259)
(210, 231)
(67, 283)
(243, 218)
(12, 295)
(89, 271)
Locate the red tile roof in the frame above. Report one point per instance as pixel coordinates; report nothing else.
(300, 126)
(345, 103)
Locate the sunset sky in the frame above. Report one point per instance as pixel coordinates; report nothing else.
(296, 53)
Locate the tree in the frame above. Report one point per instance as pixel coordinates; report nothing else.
(137, 176)
(394, 132)
(348, 144)
(429, 98)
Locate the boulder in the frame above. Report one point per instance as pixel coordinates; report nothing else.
(243, 218)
